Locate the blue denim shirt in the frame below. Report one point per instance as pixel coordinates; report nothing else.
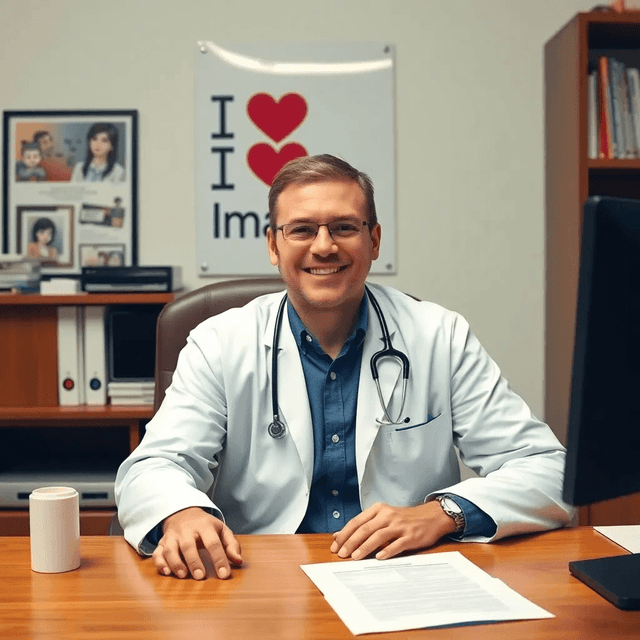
(332, 387)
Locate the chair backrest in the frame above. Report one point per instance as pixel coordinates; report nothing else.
(180, 316)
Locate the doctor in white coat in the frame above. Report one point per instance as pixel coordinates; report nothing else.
(208, 467)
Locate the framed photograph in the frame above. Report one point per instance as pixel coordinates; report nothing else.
(46, 234)
(101, 255)
(70, 188)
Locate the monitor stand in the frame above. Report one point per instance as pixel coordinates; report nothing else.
(617, 578)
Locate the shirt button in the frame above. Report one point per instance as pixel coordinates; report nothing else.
(336, 514)
(335, 438)
(334, 492)
(333, 375)
(309, 338)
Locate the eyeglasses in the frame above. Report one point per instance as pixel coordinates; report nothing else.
(307, 231)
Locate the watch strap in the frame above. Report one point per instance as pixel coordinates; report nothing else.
(453, 510)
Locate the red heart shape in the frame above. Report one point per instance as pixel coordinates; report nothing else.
(265, 161)
(277, 119)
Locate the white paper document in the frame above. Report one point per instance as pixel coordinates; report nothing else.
(627, 536)
(415, 592)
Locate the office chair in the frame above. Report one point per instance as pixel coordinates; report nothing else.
(183, 314)
(180, 316)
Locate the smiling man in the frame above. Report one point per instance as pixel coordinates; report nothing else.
(366, 442)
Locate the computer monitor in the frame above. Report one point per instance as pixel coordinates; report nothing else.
(603, 438)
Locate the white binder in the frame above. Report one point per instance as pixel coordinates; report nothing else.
(95, 355)
(70, 356)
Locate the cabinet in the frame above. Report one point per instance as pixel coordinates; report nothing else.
(571, 177)
(31, 421)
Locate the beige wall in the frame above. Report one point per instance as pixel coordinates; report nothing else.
(469, 130)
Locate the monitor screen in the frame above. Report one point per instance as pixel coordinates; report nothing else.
(603, 438)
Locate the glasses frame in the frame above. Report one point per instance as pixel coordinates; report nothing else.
(365, 223)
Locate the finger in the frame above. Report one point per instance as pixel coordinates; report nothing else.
(213, 544)
(184, 559)
(393, 549)
(231, 546)
(373, 542)
(341, 537)
(359, 537)
(160, 562)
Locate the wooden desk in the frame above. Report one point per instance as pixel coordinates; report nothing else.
(115, 594)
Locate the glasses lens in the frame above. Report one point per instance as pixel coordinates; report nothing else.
(344, 228)
(300, 231)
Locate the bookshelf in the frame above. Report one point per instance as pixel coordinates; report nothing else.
(571, 177)
(29, 412)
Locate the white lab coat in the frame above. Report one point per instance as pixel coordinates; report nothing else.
(218, 408)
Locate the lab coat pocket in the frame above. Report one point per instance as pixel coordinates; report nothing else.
(415, 460)
(431, 420)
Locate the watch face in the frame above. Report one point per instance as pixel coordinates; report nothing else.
(449, 504)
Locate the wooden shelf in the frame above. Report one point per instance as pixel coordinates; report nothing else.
(19, 299)
(93, 522)
(106, 413)
(35, 427)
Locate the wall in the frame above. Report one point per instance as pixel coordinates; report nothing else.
(469, 130)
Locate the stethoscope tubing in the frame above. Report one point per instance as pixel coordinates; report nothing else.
(277, 428)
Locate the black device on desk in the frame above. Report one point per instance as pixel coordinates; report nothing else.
(131, 279)
(603, 439)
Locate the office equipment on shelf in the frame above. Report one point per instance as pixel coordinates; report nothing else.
(604, 420)
(70, 356)
(131, 279)
(60, 286)
(94, 486)
(19, 274)
(131, 331)
(95, 354)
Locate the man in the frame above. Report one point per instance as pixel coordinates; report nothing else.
(379, 472)
(56, 170)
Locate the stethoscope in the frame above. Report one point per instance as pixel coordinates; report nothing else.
(277, 428)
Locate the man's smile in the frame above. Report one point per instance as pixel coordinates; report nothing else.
(324, 271)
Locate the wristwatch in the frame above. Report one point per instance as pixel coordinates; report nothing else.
(453, 510)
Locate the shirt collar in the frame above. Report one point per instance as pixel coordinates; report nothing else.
(306, 341)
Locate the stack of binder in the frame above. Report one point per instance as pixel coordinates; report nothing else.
(130, 392)
(82, 359)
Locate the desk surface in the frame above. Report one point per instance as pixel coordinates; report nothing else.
(115, 594)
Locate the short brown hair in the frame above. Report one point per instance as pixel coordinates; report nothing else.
(321, 168)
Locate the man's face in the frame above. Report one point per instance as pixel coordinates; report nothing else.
(46, 144)
(31, 158)
(323, 273)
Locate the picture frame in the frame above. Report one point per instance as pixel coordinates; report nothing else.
(71, 175)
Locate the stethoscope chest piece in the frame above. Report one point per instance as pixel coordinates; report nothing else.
(277, 429)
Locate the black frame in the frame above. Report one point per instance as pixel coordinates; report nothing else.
(13, 118)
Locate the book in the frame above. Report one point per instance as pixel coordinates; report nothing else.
(592, 106)
(604, 98)
(633, 83)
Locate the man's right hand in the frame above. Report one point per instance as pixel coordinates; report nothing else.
(188, 531)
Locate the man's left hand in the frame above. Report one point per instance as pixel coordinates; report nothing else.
(392, 530)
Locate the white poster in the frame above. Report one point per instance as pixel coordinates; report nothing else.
(260, 105)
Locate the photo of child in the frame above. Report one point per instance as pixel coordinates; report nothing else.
(46, 234)
(28, 168)
(42, 236)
